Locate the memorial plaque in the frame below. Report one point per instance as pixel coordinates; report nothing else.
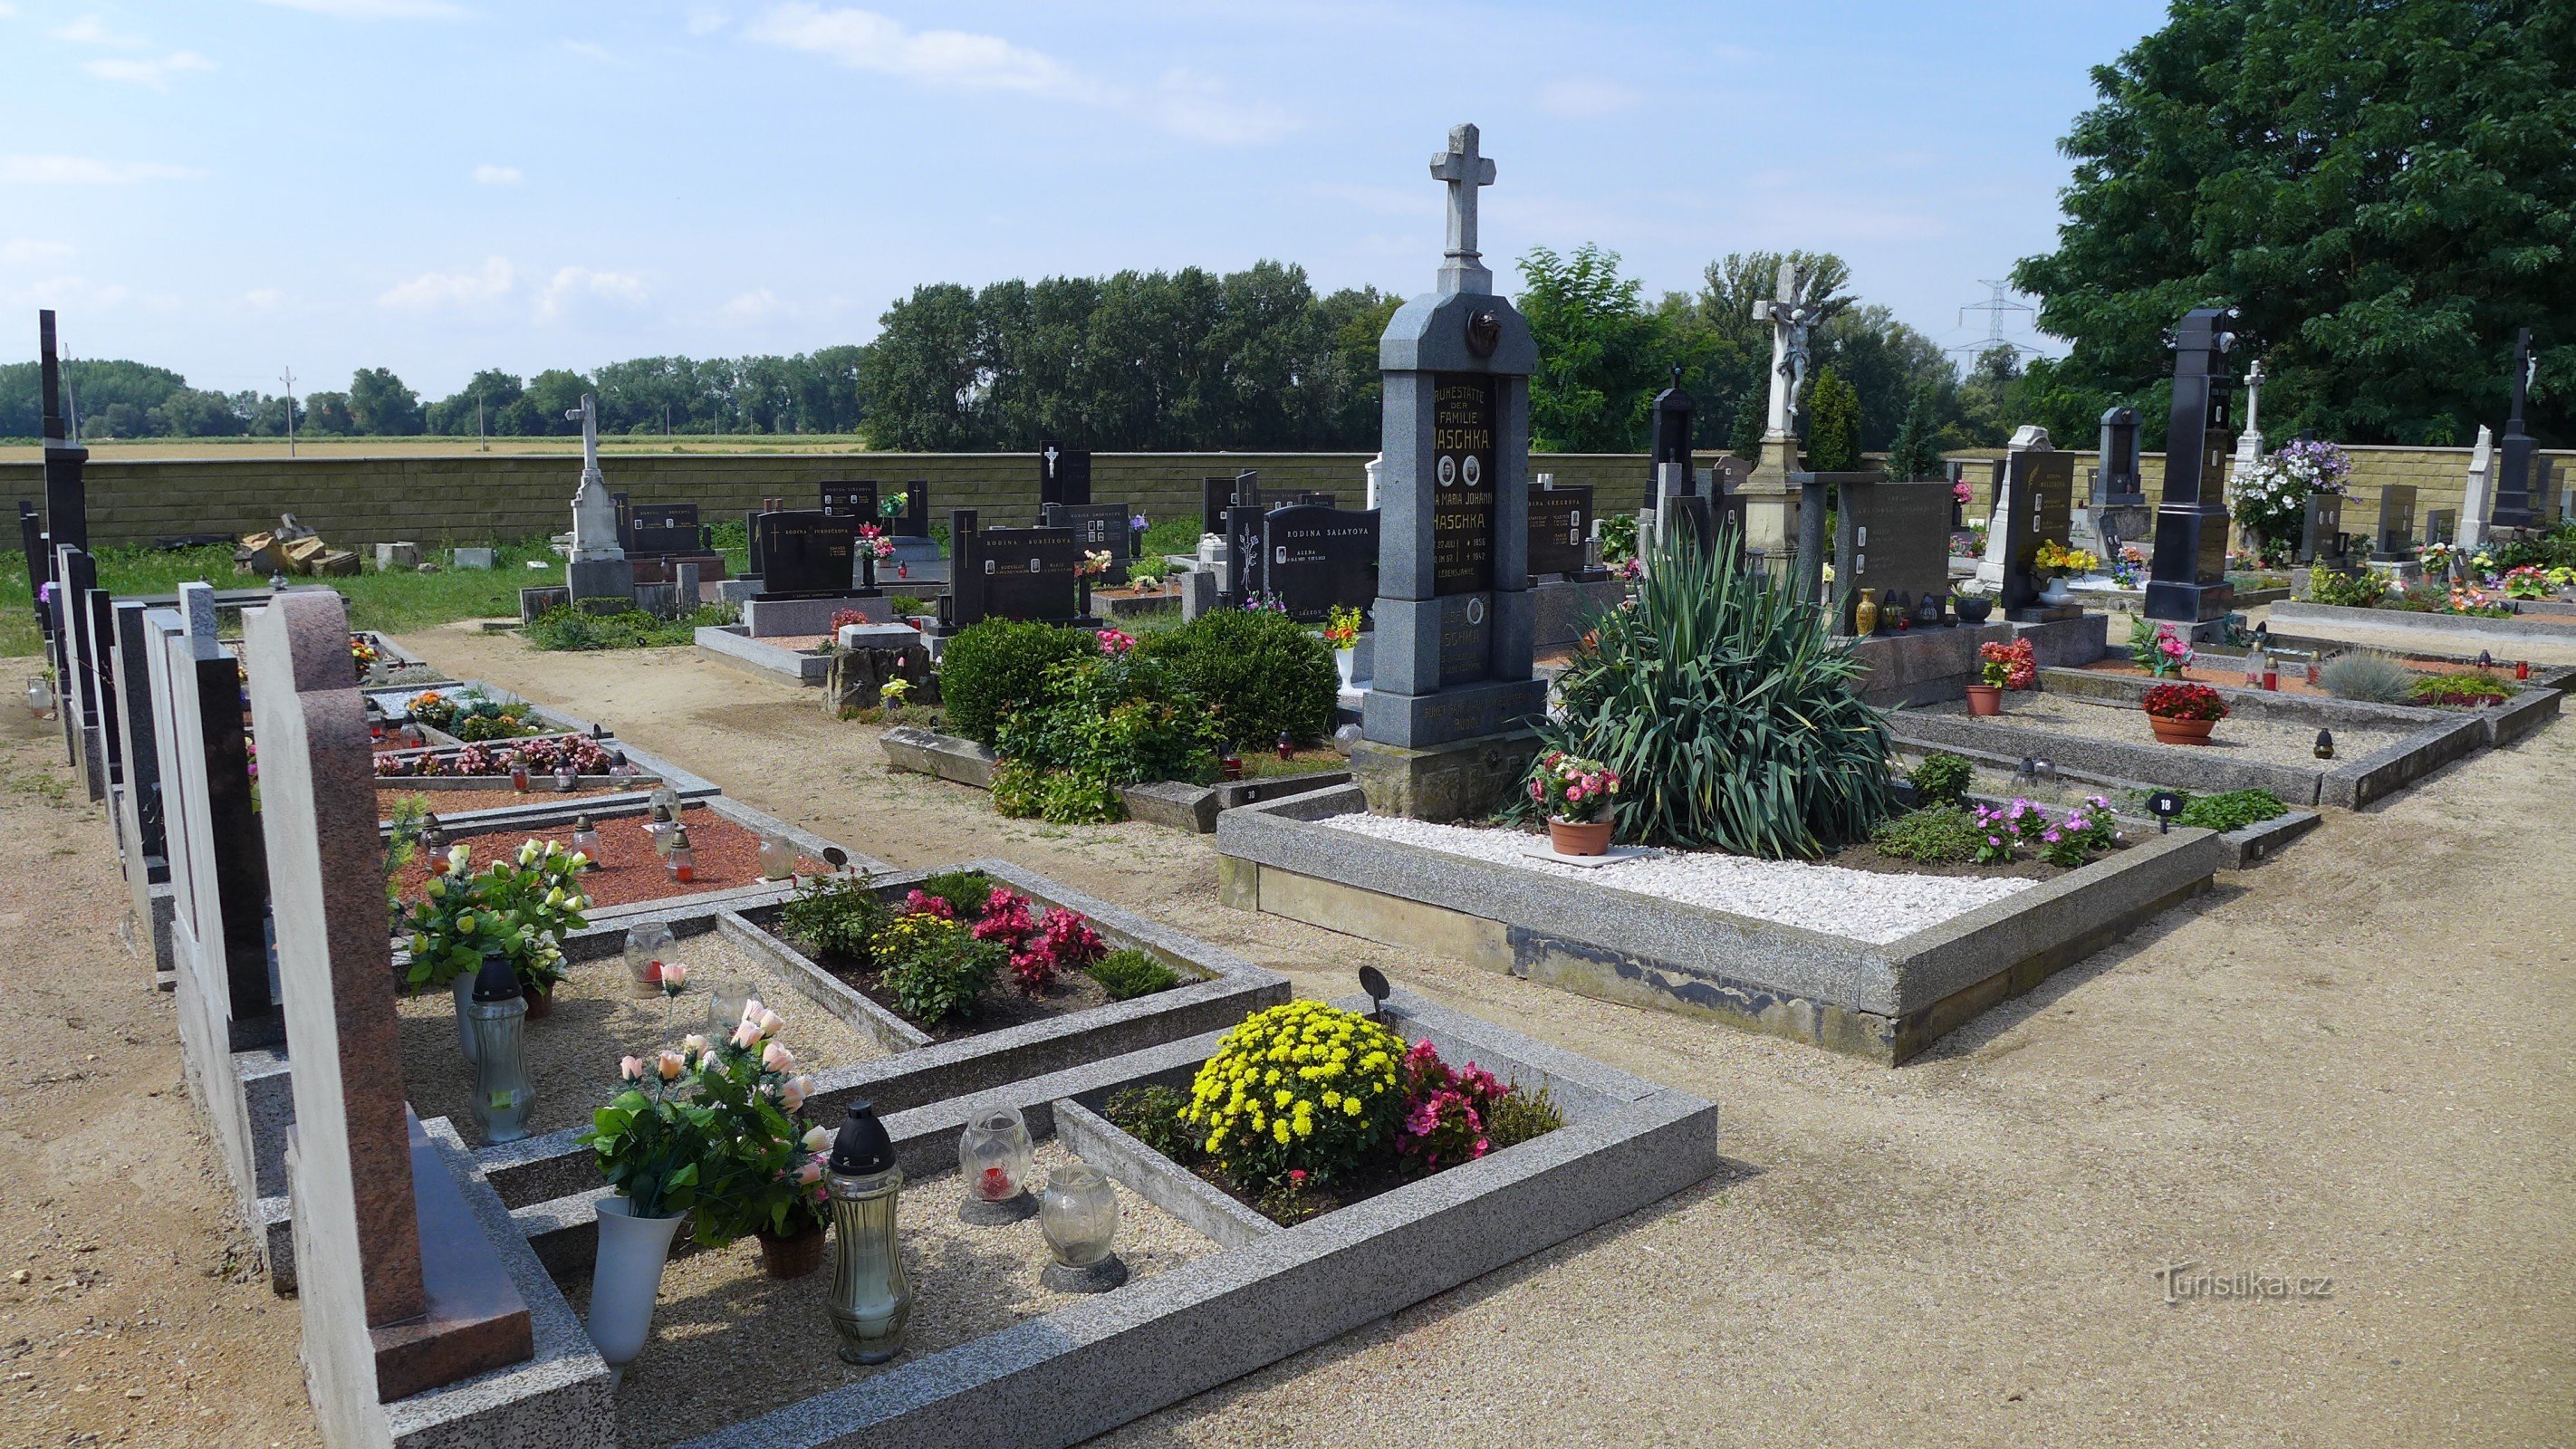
(851, 500)
(1466, 639)
(1317, 559)
(661, 529)
(1558, 518)
(2396, 535)
(1064, 474)
(1463, 474)
(1010, 573)
(2321, 530)
(804, 554)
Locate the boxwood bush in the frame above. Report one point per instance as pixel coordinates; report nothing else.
(997, 668)
(1258, 673)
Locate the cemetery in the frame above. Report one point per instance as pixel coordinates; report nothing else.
(825, 1053)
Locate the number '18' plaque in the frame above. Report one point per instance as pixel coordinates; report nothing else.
(1463, 474)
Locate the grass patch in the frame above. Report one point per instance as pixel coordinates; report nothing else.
(1170, 535)
(632, 629)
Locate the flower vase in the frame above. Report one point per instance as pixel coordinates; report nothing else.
(626, 1277)
(1579, 837)
(1344, 662)
(2056, 595)
(1865, 614)
(792, 1257)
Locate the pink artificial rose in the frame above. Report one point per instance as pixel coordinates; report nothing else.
(790, 1097)
(776, 1058)
(746, 1036)
(674, 975)
(631, 1068)
(811, 1171)
(770, 1022)
(670, 1066)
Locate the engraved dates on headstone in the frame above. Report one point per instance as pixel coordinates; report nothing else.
(1317, 559)
(1462, 502)
(851, 500)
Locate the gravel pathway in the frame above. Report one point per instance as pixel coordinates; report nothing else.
(1863, 905)
(2239, 736)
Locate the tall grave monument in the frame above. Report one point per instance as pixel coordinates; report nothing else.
(2116, 512)
(2513, 460)
(1769, 495)
(2187, 575)
(598, 568)
(1064, 474)
(1446, 721)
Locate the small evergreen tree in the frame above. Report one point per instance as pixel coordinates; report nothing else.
(1916, 453)
(1833, 424)
(1752, 415)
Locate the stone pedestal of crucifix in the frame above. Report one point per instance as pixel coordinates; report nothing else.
(1446, 722)
(1770, 497)
(598, 575)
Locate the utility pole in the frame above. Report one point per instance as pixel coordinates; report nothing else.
(1995, 307)
(288, 377)
(666, 422)
(482, 440)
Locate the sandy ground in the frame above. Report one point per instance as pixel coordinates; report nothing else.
(2305, 1073)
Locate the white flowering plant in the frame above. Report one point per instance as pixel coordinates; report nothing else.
(2271, 498)
(520, 906)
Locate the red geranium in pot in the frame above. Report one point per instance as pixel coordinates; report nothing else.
(2001, 667)
(2183, 714)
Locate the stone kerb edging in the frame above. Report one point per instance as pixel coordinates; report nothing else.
(2532, 706)
(732, 644)
(1104, 1361)
(1885, 1002)
(1194, 808)
(2519, 629)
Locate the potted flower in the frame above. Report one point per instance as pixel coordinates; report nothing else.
(1342, 636)
(2159, 649)
(654, 1143)
(519, 907)
(2001, 667)
(2056, 560)
(772, 1184)
(1576, 794)
(2183, 714)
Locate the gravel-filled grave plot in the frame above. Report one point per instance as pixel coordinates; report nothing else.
(572, 1052)
(500, 796)
(730, 1343)
(1873, 906)
(727, 856)
(2240, 736)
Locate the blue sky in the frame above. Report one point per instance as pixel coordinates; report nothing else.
(230, 187)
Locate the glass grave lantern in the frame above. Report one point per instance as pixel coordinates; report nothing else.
(871, 1299)
(726, 1002)
(40, 696)
(647, 944)
(566, 777)
(1079, 1219)
(777, 856)
(497, 1015)
(993, 1159)
(585, 840)
(680, 857)
(658, 828)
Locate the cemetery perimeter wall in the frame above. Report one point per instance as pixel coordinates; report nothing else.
(482, 497)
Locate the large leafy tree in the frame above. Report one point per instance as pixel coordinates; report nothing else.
(2386, 188)
(379, 404)
(1600, 353)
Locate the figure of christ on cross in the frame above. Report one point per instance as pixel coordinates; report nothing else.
(1464, 169)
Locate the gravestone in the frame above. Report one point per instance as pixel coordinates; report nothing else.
(1010, 573)
(665, 529)
(2117, 512)
(2187, 575)
(597, 568)
(804, 554)
(913, 519)
(2548, 504)
(1560, 522)
(78, 682)
(2442, 526)
(138, 798)
(1243, 490)
(2513, 480)
(2477, 497)
(40, 554)
(2249, 440)
(401, 1290)
(1445, 720)
(852, 500)
(66, 526)
(2394, 540)
(1064, 474)
(1316, 559)
(1893, 537)
(218, 854)
(1673, 408)
(1099, 528)
(1246, 576)
(2321, 537)
(2033, 505)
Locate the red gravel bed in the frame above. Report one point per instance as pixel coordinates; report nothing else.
(457, 802)
(728, 856)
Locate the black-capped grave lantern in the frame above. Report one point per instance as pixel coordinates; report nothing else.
(871, 1298)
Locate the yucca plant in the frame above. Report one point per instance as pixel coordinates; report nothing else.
(1728, 711)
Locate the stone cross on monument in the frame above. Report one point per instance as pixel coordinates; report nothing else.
(1463, 268)
(594, 512)
(2249, 443)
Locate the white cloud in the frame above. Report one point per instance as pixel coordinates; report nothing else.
(706, 20)
(1580, 97)
(67, 293)
(153, 73)
(20, 169)
(374, 9)
(8, 11)
(1185, 103)
(572, 287)
(433, 290)
(490, 175)
(90, 30)
(591, 50)
(752, 306)
(27, 252)
(264, 298)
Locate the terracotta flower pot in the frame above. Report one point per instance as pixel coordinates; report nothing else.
(540, 999)
(2181, 731)
(1985, 699)
(792, 1257)
(1591, 837)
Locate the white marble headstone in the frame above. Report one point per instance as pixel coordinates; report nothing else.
(2479, 502)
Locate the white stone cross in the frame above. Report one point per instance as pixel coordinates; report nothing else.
(1464, 169)
(588, 414)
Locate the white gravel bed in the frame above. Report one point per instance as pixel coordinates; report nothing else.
(2239, 736)
(1861, 905)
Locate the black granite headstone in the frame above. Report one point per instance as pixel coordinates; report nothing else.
(1246, 576)
(1243, 490)
(1316, 559)
(2513, 490)
(852, 500)
(2394, 541)
(1673, 408)
(659, 530)
(1893, 538)
(1463, 507)
(2441, 525)
(2321, 531)
(804, 555)
(1098, 527)
(31, 537)
(2187, 572)
(1010, 573)
(1558, 520)
(1064, 474)
(2041, 490)
(913, 521)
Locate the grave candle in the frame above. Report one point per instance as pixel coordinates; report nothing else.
(871, 1298)
(993, 1156)
(519, 778)
(1079, 1220)
(1287, 746)
(645, 944)
(566, 777)
(497, 1016)
(585, 841)
(40, 696)
(683, 860)
(777, 856)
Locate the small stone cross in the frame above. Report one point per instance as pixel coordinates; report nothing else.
(1465, 170)
(588, 414)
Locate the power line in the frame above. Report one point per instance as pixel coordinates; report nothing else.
(1995, 306)
(288, 377)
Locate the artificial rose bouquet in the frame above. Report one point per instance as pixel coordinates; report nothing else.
(1572, 789)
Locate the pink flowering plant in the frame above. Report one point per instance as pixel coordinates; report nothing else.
(2158, 649)
(876, 540)
(1063, 941)
(1113, 641)
(715, 1127)
(1446, 1110)
(2066, 841)
(1572, 789)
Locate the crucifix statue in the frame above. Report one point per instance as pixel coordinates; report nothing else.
(1050, 456)
(594, 512)
(1463, 268)
(1792, 315)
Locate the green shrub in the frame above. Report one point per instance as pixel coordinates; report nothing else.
(835, 915)
(997, 668)
(2474, 686)
(965, 891)
(908, 605)
(1934, 835)
(1111, 720)
(1729, 714)
(2233, 810)
(1152, 1115)
(935, 970)
(1942, 779)
(1258, 673)
(1131, 973)
(1521, 1116)
(1618, 538)
(2366, 675)
(1167, 536)
(577, 629)
(2351, 591)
